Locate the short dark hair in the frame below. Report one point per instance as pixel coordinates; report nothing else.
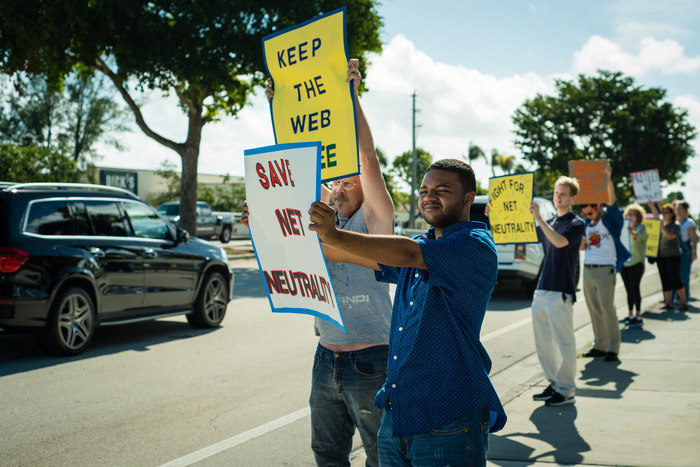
(462, 169)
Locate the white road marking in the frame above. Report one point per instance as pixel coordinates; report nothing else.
(510, 327)
(241, 438)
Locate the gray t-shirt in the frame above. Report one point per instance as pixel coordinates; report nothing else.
(364, 303)
(667, 247)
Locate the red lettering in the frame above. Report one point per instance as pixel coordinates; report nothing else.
(264, 182)
(289, 171)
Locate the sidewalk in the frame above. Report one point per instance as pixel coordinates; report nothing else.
(642, 411)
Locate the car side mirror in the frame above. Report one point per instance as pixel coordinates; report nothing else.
(183, 236)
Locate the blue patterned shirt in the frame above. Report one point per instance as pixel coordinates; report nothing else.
(438, 369)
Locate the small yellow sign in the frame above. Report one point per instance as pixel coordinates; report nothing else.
(308, 64)
(653, 227)
(509, 208)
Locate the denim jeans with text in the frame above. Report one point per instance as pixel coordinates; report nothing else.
(343, 387)
(462, 442)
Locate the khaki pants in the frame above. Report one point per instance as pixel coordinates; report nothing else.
(599, 290)
(555, 342)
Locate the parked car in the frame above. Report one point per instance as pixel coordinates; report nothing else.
(519, 262)
(74, 256)
(209, 224)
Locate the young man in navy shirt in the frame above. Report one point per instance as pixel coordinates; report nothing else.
(440, 402)
(553, 302)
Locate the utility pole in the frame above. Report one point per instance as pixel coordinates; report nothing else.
(414, 176)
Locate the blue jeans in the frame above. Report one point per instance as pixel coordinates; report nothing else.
(462, 442)
(686, 262)
(343, 387)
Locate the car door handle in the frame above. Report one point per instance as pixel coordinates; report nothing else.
(150, 252)
(97, 252)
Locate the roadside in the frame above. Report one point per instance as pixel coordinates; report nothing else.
(641, 411)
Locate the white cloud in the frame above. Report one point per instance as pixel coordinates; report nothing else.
(456, 105)
(664, 56)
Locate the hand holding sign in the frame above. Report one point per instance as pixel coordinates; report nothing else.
(308, 64)
(592, 176)
(510, 199)
(281, 182)
(647, 186)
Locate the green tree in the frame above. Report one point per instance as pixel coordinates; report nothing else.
(208, 53)
(70, 117)
(35, 164)
(606, 116)
(401, 167)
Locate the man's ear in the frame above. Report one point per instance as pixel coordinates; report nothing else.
(469, 197)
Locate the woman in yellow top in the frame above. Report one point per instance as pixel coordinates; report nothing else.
(633, 271)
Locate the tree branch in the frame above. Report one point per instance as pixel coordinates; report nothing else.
(102, 66)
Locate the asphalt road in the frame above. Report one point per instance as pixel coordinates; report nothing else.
(162, 392)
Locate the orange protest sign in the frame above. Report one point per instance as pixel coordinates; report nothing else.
(591, 179)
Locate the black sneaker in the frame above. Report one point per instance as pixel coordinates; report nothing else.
(544, 395)
(611, 357)
(626, 320)
(594, 353)
(636, 322)
(557, 399)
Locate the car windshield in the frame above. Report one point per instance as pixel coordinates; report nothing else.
(169, 209)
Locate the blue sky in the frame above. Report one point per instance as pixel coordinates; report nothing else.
(472, 63)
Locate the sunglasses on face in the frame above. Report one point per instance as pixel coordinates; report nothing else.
(666, 211)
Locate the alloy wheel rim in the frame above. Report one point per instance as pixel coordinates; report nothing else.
(214, 300)
(75, 322)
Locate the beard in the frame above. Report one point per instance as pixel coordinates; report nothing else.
(444, 217)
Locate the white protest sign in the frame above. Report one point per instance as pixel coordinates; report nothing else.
(281, 183)
(626, 238)
(647, 186)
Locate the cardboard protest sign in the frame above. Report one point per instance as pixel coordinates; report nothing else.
(281, 183)
(308, 64)
(626, 238)
(592, 180)
(653, 227)
(647, 186)
(509, 208)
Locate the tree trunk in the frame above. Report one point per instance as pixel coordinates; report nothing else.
(190, 159)
(188, 190)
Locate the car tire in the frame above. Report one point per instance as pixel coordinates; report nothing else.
(210, 305)
(71, 324)
(225, 236)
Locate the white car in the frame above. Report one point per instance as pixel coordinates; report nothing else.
(520, 262)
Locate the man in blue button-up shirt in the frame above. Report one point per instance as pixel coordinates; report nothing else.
(441, 403)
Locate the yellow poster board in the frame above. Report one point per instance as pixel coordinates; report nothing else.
(592, 180)
(653, 227)
(308, 64)
(509, 208)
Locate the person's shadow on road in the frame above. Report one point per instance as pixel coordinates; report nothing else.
(554, 426)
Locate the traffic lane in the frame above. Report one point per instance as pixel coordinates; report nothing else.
(128, 405)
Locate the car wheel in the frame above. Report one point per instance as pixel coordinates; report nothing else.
(71, 324)
(210, 305)
(225, 236)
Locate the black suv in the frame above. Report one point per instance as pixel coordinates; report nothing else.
(76, 256)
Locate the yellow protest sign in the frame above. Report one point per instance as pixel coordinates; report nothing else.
(653, 227)
(509, 208)
(592, 180)
(308, 64)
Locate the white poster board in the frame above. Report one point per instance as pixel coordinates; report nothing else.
(626, 238)
(281, 183)
(647, 186)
